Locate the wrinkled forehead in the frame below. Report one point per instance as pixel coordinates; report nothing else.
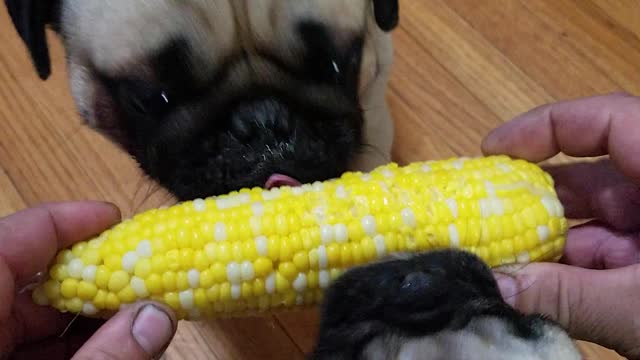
(113, 34)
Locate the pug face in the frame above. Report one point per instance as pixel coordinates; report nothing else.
(210, 96)
(437, 305)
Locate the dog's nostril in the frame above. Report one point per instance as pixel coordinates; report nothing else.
(262, 116)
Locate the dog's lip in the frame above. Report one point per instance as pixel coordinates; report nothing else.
(278, 180)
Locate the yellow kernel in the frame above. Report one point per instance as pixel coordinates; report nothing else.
(78, 249)
(74, 305)
(224, 254)
(173, 260)
(119, 279)
(159, 264)
(59, 272)
(200, 260)
(282, 284)
(52, 289)
(102, 277)
(200, 298)
(262, 267)
(169, 281)
(301, 261)
(286, 252)
(154, 284)
(112, 302)
(313, 258)
(247, 290)
(182, 281)
(113, 262)
(173, 300)
(346, 254)
(100, 300)
(369, 249)
(333, 254)
(236, 249)
(288, 270)
(69, 288)
(312, 279)
(273, 247)
(143, 268)
(289, 298)
(258, 287)
(87, 290)
(64, 257)
(91, 257)
(335, 273)
(206, 278)
(213, 293)
(219, 272)
(127, 295)
(249, 250)
(225, 291)
(211, 250)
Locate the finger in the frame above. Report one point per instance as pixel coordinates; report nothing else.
(135, 333)
(594, 246)
(598, 190)
(593, 305)
(591, 126)
(30, 239)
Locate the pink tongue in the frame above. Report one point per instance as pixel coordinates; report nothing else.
(278, 180)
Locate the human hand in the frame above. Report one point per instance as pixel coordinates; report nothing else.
(29, 241)
(595, 290)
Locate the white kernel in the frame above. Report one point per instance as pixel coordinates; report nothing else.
(199, 205)
(220, 231)
(341, 233)
(366, 177)
(426, 168)
(233, 273)
(549, 205)
(257, 208)
(317, 186)
(236, 291)
(543, 233)
(369, 225)
(300, 283)
(524, 258)
(408, 217)
(485, 209)
(297, 191)
(490, 188)
(210, 251)
(223, 203)
(453, 207)
(326, 234)
(559, 209)
(89, 273)
(255, 224)
(387, 173)
(319, 212)
(497, 208)
(323, 279)
(244, 198)
(381, 247)
(139, 287)
(270, 283)
(323, 259)
(299, 300)
(247, 271)
(454, 235)
(341, 192)
(144, 249)
(504, 167)
(458, 164)
(129, 261)
(261, 245)
(193, 276)
(75, 268)
(186, 299)
(89, 309)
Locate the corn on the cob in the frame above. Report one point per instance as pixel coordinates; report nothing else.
(257, 250)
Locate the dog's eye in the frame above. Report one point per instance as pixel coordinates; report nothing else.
(142, 99)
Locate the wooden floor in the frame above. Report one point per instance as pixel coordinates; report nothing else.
(462, 68)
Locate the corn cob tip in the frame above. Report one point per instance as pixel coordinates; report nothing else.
(255, 250)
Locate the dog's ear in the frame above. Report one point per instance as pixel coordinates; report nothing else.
(387, 13)
(30, 18)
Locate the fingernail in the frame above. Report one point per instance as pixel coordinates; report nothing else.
(508, 288)
(152, 329)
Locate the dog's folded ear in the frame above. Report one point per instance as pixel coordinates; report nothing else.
(387, 13)
(30, 18)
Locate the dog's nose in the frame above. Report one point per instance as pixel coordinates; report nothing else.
(264, 117)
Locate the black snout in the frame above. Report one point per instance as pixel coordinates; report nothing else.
(263, 117)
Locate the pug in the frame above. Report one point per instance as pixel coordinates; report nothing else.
(436, 305)
(210, 96)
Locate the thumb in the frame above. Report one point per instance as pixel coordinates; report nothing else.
(593, 305)
(140, 332)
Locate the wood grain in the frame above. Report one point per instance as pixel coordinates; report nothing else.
(462, 68)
